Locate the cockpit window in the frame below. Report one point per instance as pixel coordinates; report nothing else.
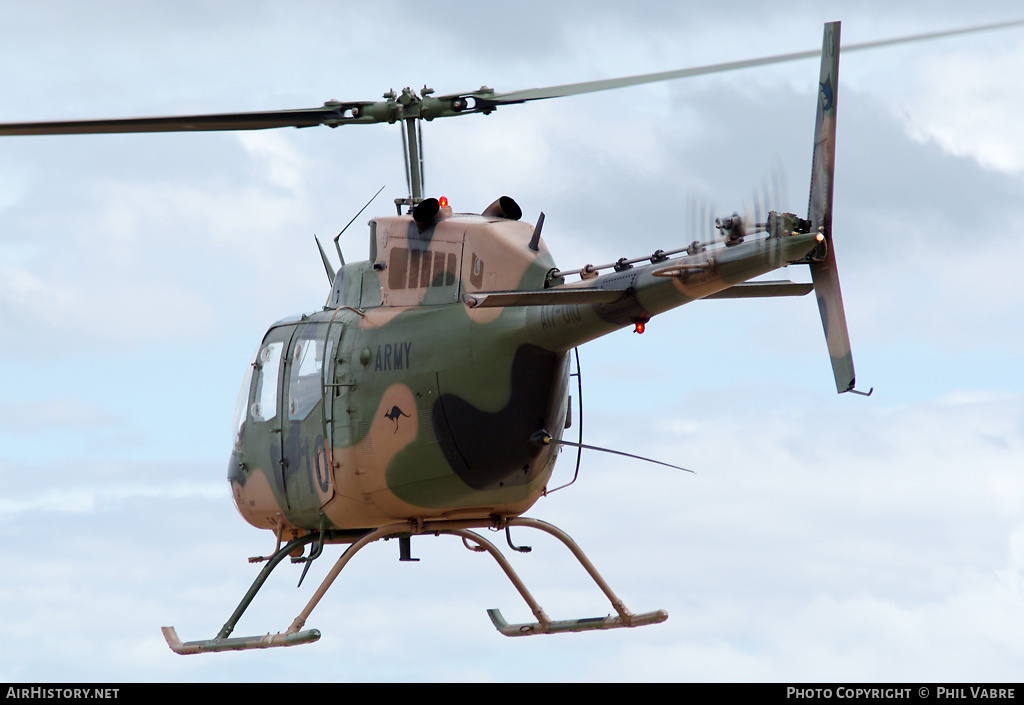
(264, 406)
(242, 400)
(308, 373)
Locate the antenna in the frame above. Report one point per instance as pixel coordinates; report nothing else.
(338, 236)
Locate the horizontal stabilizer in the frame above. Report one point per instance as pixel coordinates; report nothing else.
(543, 297)
(561, 297)
(757, 290)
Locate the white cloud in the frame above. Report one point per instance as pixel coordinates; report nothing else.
(282, 163)
(965, 102)
(76, 501)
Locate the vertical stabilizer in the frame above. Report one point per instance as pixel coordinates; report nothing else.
(823, 260)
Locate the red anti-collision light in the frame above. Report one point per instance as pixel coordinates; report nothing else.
(443, 201)
(638, 327)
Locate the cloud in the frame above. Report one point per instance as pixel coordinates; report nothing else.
(964, 102)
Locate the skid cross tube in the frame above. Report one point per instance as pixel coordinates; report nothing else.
(544, 624)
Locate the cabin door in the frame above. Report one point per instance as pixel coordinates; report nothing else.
(306, 417)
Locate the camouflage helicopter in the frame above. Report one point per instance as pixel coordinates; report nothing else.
(430, 395)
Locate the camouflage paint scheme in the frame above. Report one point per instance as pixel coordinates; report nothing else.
(443, 375)
(424, 394)
(417, 393)
(428, 403)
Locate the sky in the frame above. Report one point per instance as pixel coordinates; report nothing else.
(822, 538)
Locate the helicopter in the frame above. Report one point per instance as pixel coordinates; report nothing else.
(364, 421)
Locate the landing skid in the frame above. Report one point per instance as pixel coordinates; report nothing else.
(472, 540)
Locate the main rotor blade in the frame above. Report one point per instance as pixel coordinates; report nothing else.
(409, 105)
(307, 117)
(611, 83)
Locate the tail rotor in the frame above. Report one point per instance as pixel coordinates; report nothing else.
(822, 261)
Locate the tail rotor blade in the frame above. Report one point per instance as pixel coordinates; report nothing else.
(824, 272)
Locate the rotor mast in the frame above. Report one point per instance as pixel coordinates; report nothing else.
(412, 145)
(409, 109)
